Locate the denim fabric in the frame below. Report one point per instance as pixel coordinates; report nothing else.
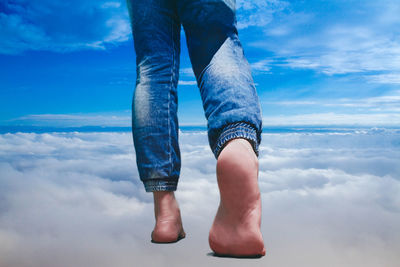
(223, 75)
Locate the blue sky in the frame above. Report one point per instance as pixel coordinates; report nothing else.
(314, 63)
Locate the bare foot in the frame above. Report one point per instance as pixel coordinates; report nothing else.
(236, 228)
(168, 228)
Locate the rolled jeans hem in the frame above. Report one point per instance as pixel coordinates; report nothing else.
(234, 131)
(153, 185)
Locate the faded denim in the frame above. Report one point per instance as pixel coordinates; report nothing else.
(223, 75)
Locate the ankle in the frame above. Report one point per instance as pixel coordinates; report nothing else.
(237, 174)
(163, 196)
(165, 204)
(237, 159)
(238, 152)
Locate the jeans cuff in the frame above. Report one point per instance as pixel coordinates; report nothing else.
(160, 185)
(233, 131)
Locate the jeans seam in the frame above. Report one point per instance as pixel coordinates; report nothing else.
(169, 98)
(200, 78)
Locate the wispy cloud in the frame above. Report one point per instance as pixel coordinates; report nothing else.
(361, 40)
(74, 120)
(348, 49)
(187, 82)
(61, 26)
(186, 72)
(261, 66)
(392, 78)
(388, 103)
(257, 12)
(76, 25)
(332, 118)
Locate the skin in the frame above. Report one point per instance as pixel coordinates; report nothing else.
(168, 228)
(236, 230)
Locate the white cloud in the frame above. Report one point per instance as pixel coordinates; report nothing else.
(257, 12)
(111, 5)
(386, 103)
(288, 24)
(187, 82)
(75, 199)
(331, 118)
(186, 72)
(392, 78)
(261, 66)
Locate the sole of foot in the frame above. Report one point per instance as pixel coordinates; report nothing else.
(236, 228)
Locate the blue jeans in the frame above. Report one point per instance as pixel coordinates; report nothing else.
(223, 75)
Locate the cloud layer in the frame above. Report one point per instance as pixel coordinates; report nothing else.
(75, 199)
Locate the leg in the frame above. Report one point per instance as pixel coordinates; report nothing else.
(156, 32)
(230, 100)
(233, 113)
